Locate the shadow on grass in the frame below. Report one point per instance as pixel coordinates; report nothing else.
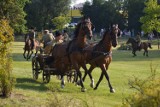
(19, 57)
(30, 84)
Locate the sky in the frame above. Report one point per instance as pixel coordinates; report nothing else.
(79, 1)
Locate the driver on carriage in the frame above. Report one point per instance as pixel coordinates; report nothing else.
(47, 38)
(138, 40)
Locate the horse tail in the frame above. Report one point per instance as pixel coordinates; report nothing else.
(149, 45)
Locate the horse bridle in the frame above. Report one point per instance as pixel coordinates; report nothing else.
(83, 26)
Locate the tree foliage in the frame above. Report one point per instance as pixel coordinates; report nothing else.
(135, 11)
(60, 21)
(12, 10)
(151, 19)
(41, 12)
(6, 37)
(104, 13)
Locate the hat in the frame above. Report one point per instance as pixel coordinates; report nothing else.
(65, 31)
(57, 33)
(32, 28)
(46, 31)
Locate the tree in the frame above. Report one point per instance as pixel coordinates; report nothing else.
(6, 37)
(135, 11)
(151, 20)
(104, 13)
(12, 10)
(41, 12)
(60, 21)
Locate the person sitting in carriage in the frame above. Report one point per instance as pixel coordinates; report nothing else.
(47, 38)
(65, 36)
(31, 36)
(58, 37)
(138, 40)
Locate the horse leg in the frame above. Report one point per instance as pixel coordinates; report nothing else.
(24, 54)
(147, 53)
(36, 52)
(89, 73)
(30, 54)
(75, 77)
(81, 82)
(104, 72)
(62, 81)
(77, 68)
(144, 53)
(85, 74)
(134, 53)
(100, 79)
(110, 86)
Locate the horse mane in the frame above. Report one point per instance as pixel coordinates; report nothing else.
(76, 32)
(105, 33)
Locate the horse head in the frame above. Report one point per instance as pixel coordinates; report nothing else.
(114, 33)
(84, 28)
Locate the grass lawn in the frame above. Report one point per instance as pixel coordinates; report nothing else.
(30, 93)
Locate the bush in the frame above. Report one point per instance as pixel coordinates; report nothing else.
(6, 37)
(147, 92)
(125, 47)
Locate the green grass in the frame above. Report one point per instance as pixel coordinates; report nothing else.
(28, 92)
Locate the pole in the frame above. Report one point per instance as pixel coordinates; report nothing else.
(158, 2)
(158, 40)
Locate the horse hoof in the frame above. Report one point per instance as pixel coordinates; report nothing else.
(62, 86)
(92, 84)
(78, 83)
(83, 90)
(112, 91)
(95, 88)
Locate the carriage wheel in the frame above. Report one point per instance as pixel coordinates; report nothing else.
(46, 75)
(35, 68)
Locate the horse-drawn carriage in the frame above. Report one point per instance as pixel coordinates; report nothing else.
(74, 55)
(45, 64)
(37, 68)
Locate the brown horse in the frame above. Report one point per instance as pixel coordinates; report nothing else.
(76, 46)
(28, 48)
(100, 55)
(143, 45)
